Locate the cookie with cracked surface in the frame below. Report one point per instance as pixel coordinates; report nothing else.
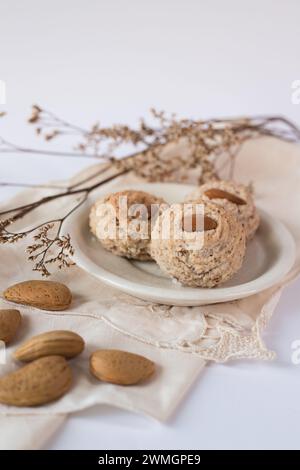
(204, 256)
(122, 222)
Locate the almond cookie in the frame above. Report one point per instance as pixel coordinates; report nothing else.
(122, 222)
(204, 256)
(232, 196)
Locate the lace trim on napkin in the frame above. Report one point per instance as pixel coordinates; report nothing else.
(216, 337)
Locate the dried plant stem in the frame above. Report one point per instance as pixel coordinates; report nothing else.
(25, 209)
(7, 148)
(30, 185)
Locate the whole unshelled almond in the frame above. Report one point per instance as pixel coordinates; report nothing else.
(9, 323)
(37, 383)
(120, 367)
(46, 295)
(216, 193)
(59, 342)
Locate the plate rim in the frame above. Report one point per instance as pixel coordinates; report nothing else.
(194, 296)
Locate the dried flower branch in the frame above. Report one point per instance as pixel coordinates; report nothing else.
(50, 246)
(154, 157)
(207, 140)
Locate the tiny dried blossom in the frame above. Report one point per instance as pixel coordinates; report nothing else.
(5, 235)
(35, 114)
(51, 135)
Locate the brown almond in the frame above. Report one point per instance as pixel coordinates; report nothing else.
(209, 224)
(46, 295)
(9, 323)
(216, 193)
(120, 367)
(42, 381)
(52, 343)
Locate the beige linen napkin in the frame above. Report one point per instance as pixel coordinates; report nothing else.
(167, 335)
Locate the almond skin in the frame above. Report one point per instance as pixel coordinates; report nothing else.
(120, 367)
(46, 295)
(62, 343)
(37, 383)
(208, 224)
(215, 193)
(10, 321)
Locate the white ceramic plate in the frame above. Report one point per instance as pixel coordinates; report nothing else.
(270, 255)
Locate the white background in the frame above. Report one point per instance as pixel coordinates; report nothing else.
(111, 60)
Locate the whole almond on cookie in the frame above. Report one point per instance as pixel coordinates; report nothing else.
(9, 323)
(46, 295)
(120, 367)
(60, 342)
(37, 383)
(216, 193)
(190, 224)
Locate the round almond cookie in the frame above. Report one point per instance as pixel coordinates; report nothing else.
(122, 222)
(203, 254)
(232, 196)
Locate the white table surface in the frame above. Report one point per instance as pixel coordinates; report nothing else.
(112, 60)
